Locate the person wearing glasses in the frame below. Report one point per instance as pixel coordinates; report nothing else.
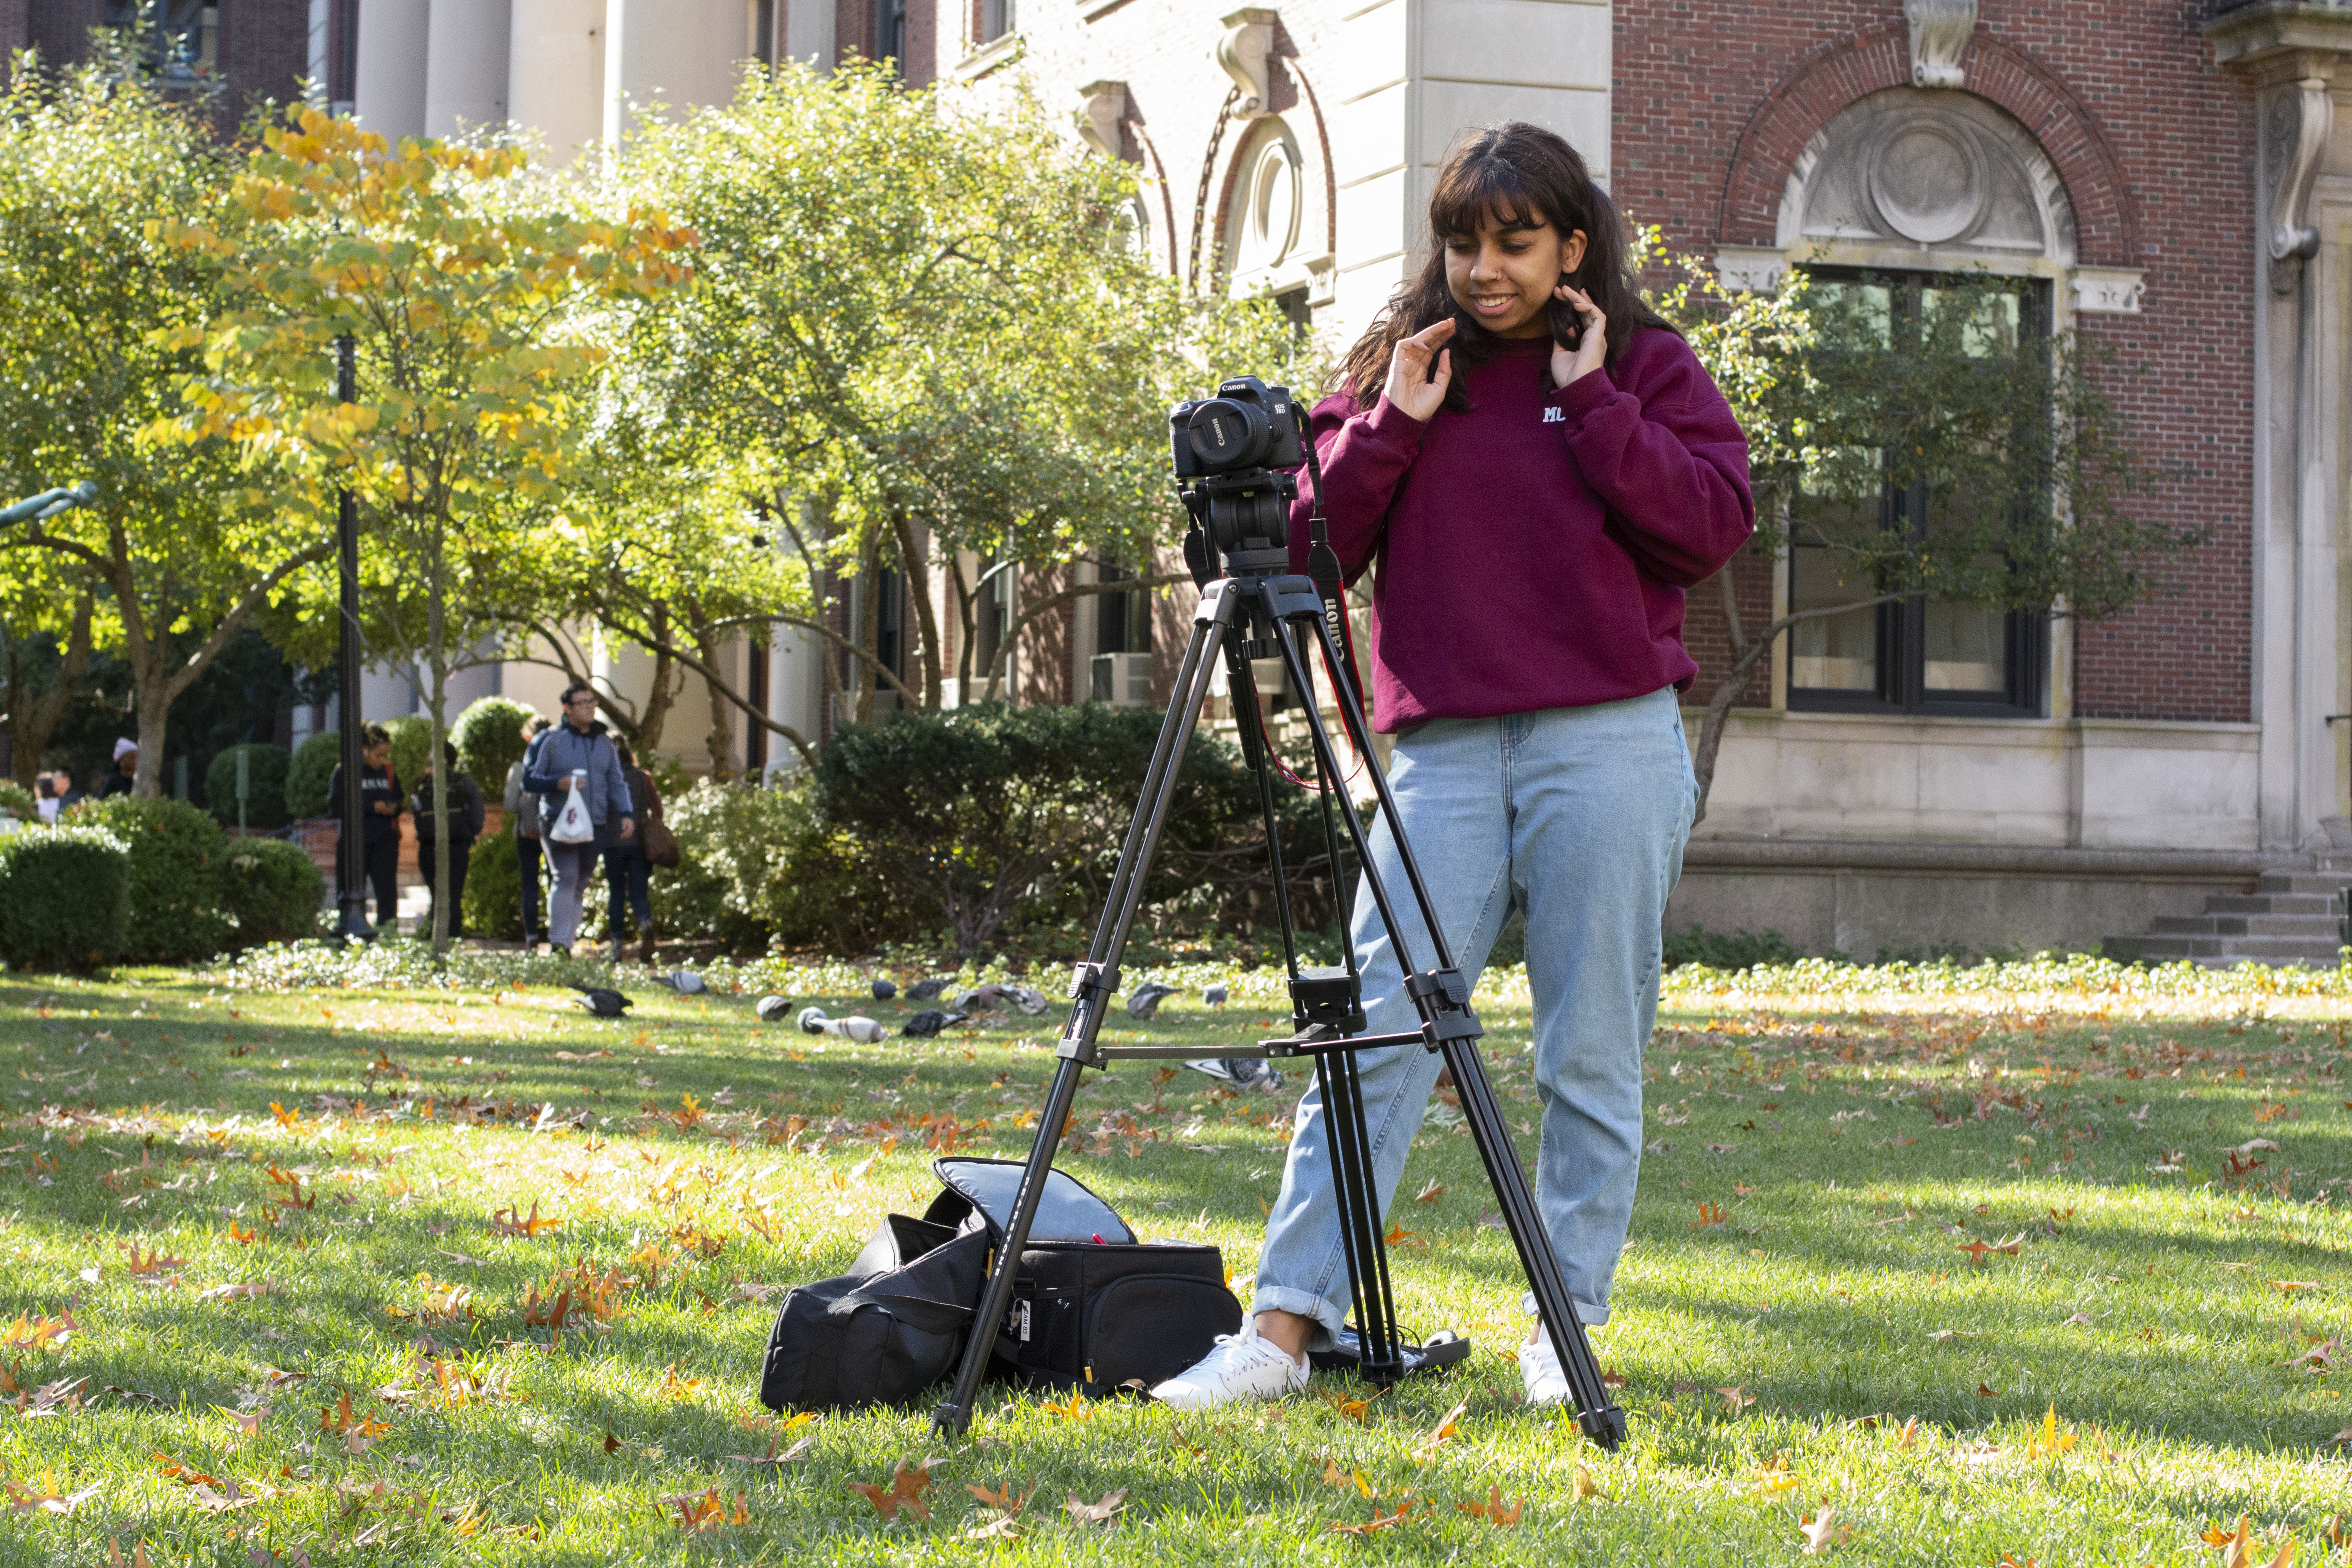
(576, 755)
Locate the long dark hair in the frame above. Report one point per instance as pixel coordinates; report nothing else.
(1517, 173)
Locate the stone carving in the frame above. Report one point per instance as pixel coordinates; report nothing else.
(1102, 105)
(1913, 168)
(2294, 134)
(1939, 35)
(2113, 290)
(1245, 53)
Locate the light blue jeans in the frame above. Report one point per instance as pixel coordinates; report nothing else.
(1576, 816)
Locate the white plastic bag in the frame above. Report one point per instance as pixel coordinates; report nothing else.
(572, 825)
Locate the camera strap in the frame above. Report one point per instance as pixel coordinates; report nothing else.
(1323, 571)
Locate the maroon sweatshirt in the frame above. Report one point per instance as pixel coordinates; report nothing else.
(1532, 551)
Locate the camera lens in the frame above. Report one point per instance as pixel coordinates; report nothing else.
(1227, 434)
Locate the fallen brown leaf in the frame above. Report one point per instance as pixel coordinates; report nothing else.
(1099, 1511)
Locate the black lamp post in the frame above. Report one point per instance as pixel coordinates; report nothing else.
(350, 858)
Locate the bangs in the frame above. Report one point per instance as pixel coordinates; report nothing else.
(1479, 189)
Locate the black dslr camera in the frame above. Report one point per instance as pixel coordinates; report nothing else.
(1232, 453)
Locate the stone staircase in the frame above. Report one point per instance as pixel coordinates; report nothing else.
(2295, 915)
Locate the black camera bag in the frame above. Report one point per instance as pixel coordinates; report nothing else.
(885, 1332)
(1092, 1307)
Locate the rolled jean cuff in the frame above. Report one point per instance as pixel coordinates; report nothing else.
(1590, 1316)
(1329, 1316)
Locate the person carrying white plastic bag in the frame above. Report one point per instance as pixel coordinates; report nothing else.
(584, 805)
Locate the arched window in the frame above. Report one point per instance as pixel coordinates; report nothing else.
(1904, 196)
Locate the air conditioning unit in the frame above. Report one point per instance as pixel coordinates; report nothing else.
(1121, 679)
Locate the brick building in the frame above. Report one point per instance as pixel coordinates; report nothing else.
(2167, 177)
(246, 50)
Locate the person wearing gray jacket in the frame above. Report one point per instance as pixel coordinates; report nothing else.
(523, 810)
(576, 754)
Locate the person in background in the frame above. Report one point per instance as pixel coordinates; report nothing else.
(45, 796)
(126, 770)
(576, 754)
(379, 821)
(625, 865)
(523, 810)
(70, 793)
(466, 814)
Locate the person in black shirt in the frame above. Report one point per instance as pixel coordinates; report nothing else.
(126, 770)
(466, 817)
(380, 820)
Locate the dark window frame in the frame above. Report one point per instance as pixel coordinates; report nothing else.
(1901, 623)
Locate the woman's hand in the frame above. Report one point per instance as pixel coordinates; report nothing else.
(1591, 343)
(1411, 387)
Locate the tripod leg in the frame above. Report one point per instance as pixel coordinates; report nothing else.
(1096, 981)
(1450, 1025)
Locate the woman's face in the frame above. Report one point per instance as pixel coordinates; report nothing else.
(375, 757)
(1504, 274)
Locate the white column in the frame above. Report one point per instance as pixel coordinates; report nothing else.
(389, 96)
(555, 74)
(808, 31)
(466, 65)
(684, 53)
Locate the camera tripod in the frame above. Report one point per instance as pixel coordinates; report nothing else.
(1258, 609)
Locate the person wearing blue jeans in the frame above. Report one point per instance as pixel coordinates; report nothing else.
(1535, 468)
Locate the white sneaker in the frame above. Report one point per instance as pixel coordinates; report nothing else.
(1540, 1370)
(1243, 1366)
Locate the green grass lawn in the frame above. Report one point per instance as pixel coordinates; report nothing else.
(301, 1218)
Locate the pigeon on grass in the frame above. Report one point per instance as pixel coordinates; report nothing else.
(1242, 1073)
(925, 990)
(684, 981)
(1215, 997)
(884, 990)
(929, 1021)
(1028, 999)
(864, 1030)
(602, 1000)
(773, 1009)
(1147, 998)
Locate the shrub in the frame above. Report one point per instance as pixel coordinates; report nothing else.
(758, 866)
(65, 897)
(176, 852)
(411, 746)
(995, 813)
(19, 801)
(271, 891)
(267, 770)
(1740, 950)
(488, 738)
(493, 905)
(308, 774)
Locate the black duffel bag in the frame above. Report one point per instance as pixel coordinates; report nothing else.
(1092, 1307)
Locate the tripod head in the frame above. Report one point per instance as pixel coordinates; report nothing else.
(1231, 454)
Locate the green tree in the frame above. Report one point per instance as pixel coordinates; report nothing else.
(2039, 486)
(174, 555)
(919, 338)
(463, 281)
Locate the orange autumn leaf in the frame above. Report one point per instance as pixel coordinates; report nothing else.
(1430, 1194)
(709, 1510)
(514, 1222)
(1004, 1501)
(1709, 1217)
(1409, 1240)
(1378, 1521)
(1445, 1432)
(906, 1490)
(1492, 1510)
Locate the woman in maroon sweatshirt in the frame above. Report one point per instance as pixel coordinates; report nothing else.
(1534, 467)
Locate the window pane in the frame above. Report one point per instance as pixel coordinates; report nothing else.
(1967, 649)
(1855, 313)
(1993, 321)
(1839, 652)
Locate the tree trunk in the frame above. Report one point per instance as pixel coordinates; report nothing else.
(436, 615)
(656, 713)
(719, 740)
(1053, 601)
(869, 632)
(916, 564)
(968, 618)
(31, 723)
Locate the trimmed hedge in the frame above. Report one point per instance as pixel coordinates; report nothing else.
(488, 738)
(65, 897)
(267, 770)
(493, 903)
(271, 891)
(758, 866)
(412, 745)
(307, 776)
(176, 852)
(19, 801)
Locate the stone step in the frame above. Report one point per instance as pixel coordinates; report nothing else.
(2314, 927)
(2328, 884)
(2273, 904)
(2226, 950)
